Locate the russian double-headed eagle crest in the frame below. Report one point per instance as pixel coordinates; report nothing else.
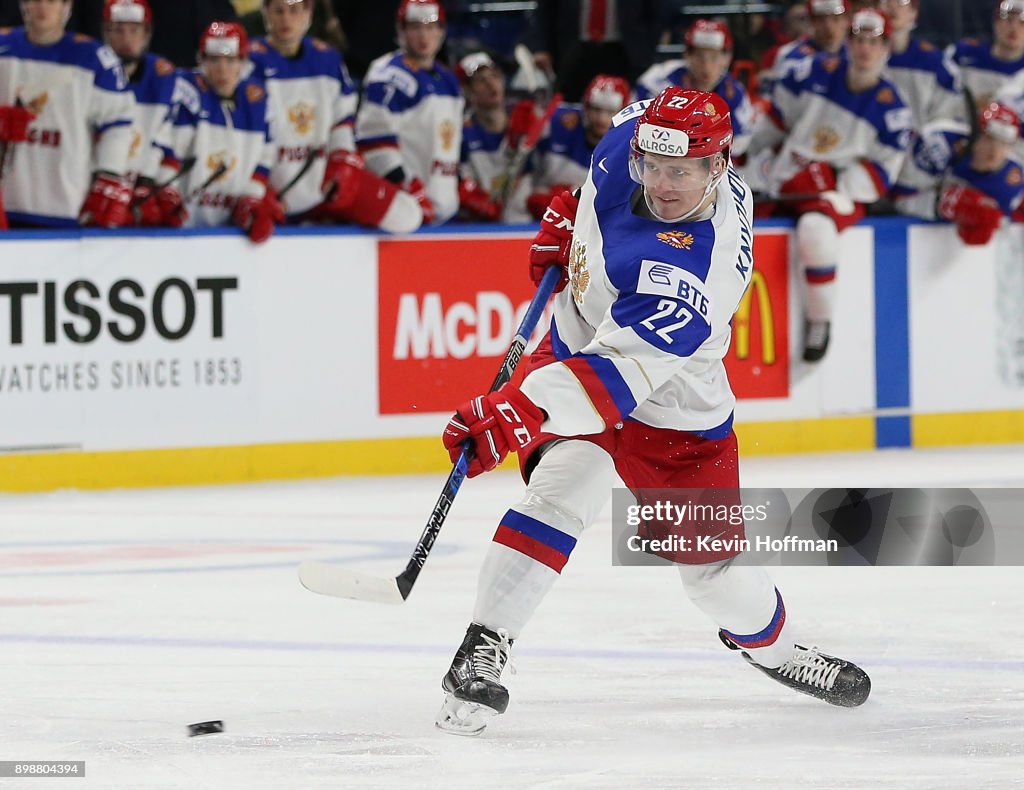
(676, 238)
(825, 139)
(302, 116)
(579, 274)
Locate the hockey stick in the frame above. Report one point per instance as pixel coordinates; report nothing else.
(313, 156)
(222, 168)
(504, 184)
(186, 167)
(339, 582)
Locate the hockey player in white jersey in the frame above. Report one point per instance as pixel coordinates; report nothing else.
(629, 381)
(312, 105)
(926, 76)
(564, 152)
(971, 181)
(127, 29)
(830, 25)
(994, 69)
(838, 135)
(221, 121)
(705, 68)
(486, 147)
(72, 168)
(409, 126)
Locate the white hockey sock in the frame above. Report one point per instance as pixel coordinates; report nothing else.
(817, 246)
(745, 604)
(567, 491)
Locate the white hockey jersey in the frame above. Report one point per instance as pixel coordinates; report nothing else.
(153, 87)
(232, 135)
(928, 81)
(78, 91)
(485, 159)
(312, 105)
(983, 74)
(645, 324)
(412, 118)
(816, 117)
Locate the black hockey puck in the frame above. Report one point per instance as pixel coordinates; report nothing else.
(205, 728)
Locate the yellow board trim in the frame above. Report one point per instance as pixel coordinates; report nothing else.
(960, 428)
(24, 472)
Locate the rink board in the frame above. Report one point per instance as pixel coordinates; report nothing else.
(175, 358)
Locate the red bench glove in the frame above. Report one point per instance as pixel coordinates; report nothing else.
(341, 179)
(108, 204)
(476, 202)
(814, 179)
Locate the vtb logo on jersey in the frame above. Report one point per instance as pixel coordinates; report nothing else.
(221, 159)
(447, 131)
(825, 139)
(302, 116)
(676, 238)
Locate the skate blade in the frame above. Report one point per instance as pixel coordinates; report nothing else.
(463, 718)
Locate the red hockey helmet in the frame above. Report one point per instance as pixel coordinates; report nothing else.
(127, 11)
(872, 23)
(606, 92)
(683, 122)
(708, 34)
(999, 121)
(421, 12)
(227, 39)
(827, 7)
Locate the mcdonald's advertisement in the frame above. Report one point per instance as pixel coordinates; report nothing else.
(758, 361)
(440, 337)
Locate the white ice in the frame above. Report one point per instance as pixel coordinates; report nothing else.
(128, 615)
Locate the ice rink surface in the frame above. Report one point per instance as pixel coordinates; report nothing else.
(128, 615)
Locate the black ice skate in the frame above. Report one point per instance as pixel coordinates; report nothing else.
(816, 334)
(473, 691)
(810, 671)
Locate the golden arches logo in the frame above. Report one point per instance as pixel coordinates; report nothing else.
(741, 323)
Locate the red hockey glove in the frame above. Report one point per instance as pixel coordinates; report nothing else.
(521, 119)
(551, 245)
(976, 234)
(538, 202)
(108, 203)
(341, 179)
(475, 202)
(814, 179)
(14, 123)
(961, 203)
(494, 423)
(258, 216)
(418, 191)
(163, 209)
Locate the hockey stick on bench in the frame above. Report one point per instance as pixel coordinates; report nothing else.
(339, 582)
